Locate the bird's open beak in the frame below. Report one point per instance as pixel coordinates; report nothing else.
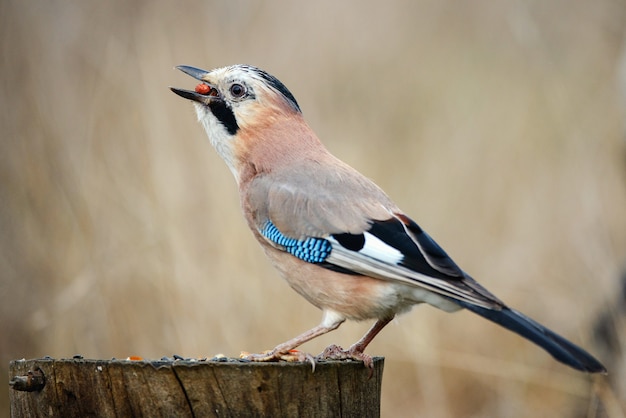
(203, 93)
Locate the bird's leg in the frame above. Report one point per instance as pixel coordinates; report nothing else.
(285, 351)
(356, 350)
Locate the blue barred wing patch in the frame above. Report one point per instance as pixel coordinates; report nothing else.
(311, 250)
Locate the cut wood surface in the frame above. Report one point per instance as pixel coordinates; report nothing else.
(186, 388)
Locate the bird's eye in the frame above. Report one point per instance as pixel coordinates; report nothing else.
(237, 90)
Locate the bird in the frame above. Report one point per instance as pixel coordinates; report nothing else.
(335, 236)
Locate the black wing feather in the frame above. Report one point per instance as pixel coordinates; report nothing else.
(421, 253)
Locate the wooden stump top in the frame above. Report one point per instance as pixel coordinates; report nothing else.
(185, 388)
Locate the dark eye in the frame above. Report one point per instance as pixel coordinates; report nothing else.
(237, 90)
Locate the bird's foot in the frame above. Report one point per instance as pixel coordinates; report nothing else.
(334, 352)
(276, 355)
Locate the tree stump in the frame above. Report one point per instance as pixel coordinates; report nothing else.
(188, 388)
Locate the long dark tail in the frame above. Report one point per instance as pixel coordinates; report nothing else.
(561, 349)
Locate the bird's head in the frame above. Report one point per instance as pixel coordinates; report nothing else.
(247, 113)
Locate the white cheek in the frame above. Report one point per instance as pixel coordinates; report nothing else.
(221, 140)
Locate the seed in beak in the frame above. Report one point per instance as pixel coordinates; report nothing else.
(203, 88)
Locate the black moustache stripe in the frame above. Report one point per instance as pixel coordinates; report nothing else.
(225, 115)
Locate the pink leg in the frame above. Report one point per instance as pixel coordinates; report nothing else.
(285, 351)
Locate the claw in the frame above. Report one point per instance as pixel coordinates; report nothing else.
(334, 352)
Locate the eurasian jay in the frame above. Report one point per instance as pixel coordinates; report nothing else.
(336, 238)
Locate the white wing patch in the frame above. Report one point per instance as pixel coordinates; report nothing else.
(379, 260)
(376, 248)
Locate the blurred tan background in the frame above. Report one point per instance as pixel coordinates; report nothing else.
(498, 126)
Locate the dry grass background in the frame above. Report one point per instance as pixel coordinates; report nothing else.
(498, 126)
